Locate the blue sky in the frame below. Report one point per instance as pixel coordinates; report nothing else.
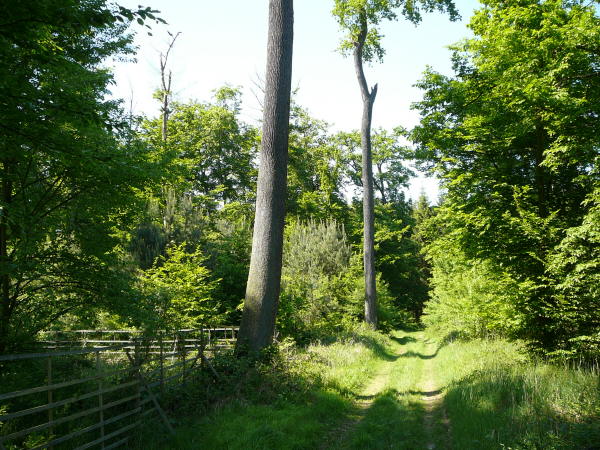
(224, 42)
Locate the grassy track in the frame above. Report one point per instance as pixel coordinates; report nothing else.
(407, 392)
(396, 410)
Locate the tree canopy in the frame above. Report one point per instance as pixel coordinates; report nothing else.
(146, 221)
(70, 164)
(511, 135)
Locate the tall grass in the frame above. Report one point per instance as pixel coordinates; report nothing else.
(497, 398)
(292, 403)
(346, 365)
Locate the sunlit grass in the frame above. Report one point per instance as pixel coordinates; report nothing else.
(392, 421)
(330, 376)
(395, 418)
(366, 391)
(346, 366)
(496, 398)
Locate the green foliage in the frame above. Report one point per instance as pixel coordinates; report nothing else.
(511, 137)
(147, 243)
(574, 267)
(350, 14)
(207, 197)
(315, 283)
(316, 170)
(397, 253)
(391, 173)
(228, 248)
(390, 316)
(470, 298)
(225, 237)
(69, 165)
(398, 256)
(322, 289)
(179, 290)
(210, 152)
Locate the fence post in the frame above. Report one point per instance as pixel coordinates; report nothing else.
(142, 381)
(162, 363)
(175, 346)
(50, 398)
(202, 346)
(182, 340)
(137, 373)
(100, 395)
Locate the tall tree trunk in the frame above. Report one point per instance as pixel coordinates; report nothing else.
(368, 98)
(262, 291)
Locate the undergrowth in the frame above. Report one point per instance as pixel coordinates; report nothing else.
(496, 397)
(288, 399)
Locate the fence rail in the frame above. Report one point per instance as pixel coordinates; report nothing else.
(114, 389)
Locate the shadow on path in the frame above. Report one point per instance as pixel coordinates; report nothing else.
(393, 421)
(403, 340)
(411, 354)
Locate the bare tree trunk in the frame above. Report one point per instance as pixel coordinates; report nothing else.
(262, 291)
(165, 82)
(368, 97)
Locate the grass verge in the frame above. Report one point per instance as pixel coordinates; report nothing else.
(370, 391)
(496, 398)
(292, 402)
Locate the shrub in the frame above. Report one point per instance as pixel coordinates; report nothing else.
(179, 290)
(472, 298)
(316, 282)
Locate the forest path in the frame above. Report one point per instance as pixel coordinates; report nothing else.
(401, 407)
(338, 437)
(435, 419)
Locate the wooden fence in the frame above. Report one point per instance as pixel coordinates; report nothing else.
(92, 388)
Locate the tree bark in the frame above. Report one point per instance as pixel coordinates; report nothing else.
(165, 81)
(368, 98)
(263, 287)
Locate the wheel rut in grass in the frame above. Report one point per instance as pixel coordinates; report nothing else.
(363, 402)
(435, 420)
(406, 384)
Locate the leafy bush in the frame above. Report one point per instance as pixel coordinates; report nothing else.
(472, 298)
(322, 290)
(228, 249)
(179, 289)
(575, 271)
(389, 316)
